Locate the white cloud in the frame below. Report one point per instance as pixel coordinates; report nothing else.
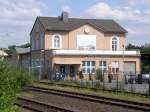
(24, 10)
(103, 10)
(136, 21)
(137, 2)
(18, 16)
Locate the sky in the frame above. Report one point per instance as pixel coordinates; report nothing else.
(18, 16)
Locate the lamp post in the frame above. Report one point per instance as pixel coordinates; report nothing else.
(123, 47)
(41, 65)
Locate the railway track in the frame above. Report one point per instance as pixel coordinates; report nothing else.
(94, 98)
(37, 106)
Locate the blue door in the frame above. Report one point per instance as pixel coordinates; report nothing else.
(72, 71)
(62, 71)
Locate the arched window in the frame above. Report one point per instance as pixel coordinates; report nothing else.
(56, 41)
(114, 43)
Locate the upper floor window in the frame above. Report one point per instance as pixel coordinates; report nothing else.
(56, 41)
(114, 43)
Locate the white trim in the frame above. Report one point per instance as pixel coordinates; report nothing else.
(94, 52)
(118, 44)
(60, 37)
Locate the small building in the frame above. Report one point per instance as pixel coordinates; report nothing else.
(2, 54)
(20, 57)
(65, 46)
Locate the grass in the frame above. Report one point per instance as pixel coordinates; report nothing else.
(28, 94)
(124, 96)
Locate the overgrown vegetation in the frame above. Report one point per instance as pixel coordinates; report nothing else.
(99, 75)
(12, 80)
(144, 49)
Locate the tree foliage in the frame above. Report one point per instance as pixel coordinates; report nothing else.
(144, 49)
(12, 79)
(99, 75)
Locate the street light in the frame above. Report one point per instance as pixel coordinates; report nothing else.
(123, 64)
(41, 65)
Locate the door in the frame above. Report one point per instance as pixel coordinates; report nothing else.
(72, 70)
(62, 70)
(130, 68)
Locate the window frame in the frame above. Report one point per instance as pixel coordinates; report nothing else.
(53, 41)
(90, 67)
(114, 43)
(102, 66)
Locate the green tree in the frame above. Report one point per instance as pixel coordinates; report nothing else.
(145, 50)
(12, 80)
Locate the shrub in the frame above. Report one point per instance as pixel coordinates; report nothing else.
(12, 79)
(99, 75)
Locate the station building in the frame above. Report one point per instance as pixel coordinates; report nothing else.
(63, 45)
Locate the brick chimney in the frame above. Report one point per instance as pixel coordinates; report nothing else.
(64, 16)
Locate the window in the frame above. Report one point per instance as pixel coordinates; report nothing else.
(114, 43)
(88, 66)
(115, 66)
(103, 66)
(56, 41)
(41, 41)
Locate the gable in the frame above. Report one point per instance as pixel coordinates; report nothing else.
(37, 27)
(87, 29)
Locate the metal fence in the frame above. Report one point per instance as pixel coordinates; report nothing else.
(118, 82)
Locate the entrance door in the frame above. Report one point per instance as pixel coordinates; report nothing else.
(129, 68)
(62, 70)
(72, 70)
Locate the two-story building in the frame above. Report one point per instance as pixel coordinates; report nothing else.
(68, 45)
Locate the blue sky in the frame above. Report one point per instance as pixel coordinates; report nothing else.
(17, 16)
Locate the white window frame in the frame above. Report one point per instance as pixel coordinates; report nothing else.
(115, 65)
(53, 41)
(102, 67)
(117, 39)
(90, 67)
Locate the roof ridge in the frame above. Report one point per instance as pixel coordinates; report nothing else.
(76, 18)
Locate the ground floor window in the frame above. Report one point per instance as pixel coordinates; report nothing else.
(115, 66)
(88, 67)
(37, 63)
(103, 66)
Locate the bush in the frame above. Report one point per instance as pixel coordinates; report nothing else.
(99, 75)
(12, 80)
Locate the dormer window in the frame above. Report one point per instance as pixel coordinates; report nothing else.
(56, 41)
(114, 43)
